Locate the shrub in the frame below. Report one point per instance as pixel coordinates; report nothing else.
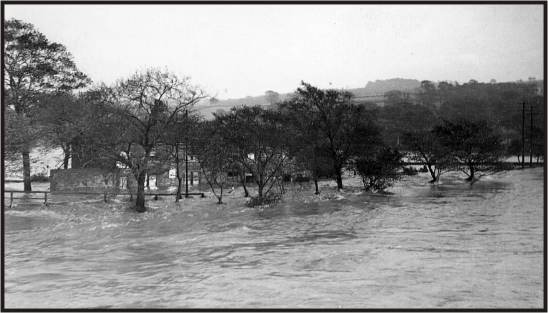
(409, 171)
(39, 178)
(302, 179)
(286, 178)
(381, 171)
(269, 199)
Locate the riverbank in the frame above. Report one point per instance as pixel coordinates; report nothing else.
(293, 192)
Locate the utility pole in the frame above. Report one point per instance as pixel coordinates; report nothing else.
(523, 134)
(531, 138)
(186, 155)
(178, 173)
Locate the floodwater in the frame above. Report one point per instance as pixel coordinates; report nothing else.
(447, 246)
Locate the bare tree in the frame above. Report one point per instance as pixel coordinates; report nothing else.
(344, 129)
(145, 107)
(180, 138)
(216, 157)
(261, 143)
(475, 147)
(427, 149)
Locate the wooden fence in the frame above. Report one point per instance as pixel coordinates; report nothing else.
(105, 195)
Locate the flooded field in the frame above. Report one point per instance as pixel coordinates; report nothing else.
(446, 246)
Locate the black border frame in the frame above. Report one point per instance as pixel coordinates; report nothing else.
(271, 2)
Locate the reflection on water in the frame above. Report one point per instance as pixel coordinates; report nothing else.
(451, 245)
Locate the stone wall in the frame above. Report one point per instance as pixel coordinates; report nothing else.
(84, 180)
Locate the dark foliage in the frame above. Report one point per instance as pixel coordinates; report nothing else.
(410, 171)
(381, 171)
(259, 140)
(216, 156)
(265, 200)
(425, 147)
(41, 178)
(397, 120)
(33, 66)
(474, 146)
(334, 128)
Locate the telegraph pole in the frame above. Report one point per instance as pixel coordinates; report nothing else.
(523, 134)
(178, 171)
(531, 138)
(186, 156)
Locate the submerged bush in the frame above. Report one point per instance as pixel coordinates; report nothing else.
(380, 171)
(269, 199)
(40, 178)
(409, 171)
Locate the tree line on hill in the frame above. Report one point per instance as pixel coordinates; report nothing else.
(143, 122)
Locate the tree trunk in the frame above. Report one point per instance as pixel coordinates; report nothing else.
(220, 197)
(26, 170)
(260, 191)
(246, 193)
(75, 154)
(471, 176)
(432, 173)
(140, 201)
(179, 178)
(66, 158)
(338, 177)
(179, 184)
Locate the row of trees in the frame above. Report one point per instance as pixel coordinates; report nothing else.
(144, 122)
(324, 132)
(474, 148)
(500, 104)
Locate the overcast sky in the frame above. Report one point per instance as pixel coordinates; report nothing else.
(240, 50)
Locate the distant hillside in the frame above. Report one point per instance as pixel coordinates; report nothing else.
(207, 108)
(372, 89)
(382, 86)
